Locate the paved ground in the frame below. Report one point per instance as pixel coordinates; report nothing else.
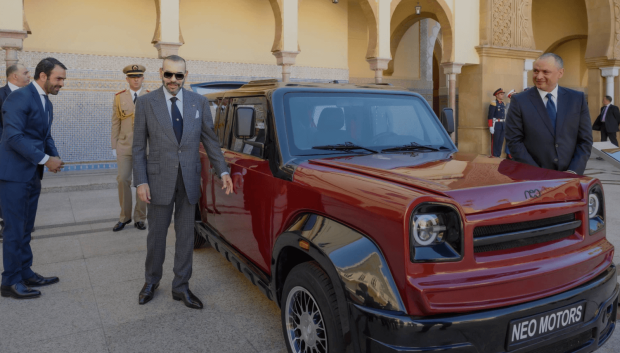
(94, 307)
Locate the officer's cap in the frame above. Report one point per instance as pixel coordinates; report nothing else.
(498, 91)
(134, 70)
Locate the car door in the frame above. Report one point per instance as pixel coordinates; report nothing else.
(245, 217)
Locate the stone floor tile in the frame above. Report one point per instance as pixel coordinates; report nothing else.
(110, 243)
(262, 328)
(118, 268)
(53, 250)
(81, 342)
(187, 331)
(51, 315)
(54, 208)
(72, 275)
(94, 204)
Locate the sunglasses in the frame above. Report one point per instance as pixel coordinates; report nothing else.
(177, 75)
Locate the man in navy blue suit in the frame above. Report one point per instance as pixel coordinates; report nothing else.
(550, 127)
(26, 146)
(17, 76)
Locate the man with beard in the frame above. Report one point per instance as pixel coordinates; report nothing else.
(26, 146)
(17, 76)
(172, 121)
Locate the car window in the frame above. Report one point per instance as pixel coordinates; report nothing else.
(374, 121)
(239, 145)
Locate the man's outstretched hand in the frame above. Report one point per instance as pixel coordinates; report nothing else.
(144, 193)
(227, 184)
(54, 164)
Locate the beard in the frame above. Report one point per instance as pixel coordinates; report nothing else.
(176, 89)
(50, 88)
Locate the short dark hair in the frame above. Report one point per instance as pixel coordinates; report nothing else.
(46, 66)
(609, 99)
(175, 58)
(11, 69)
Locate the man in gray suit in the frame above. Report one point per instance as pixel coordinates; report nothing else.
(173, 121)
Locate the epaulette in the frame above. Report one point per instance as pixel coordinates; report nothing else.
(148, 91)
(494, 103)
(120, 92)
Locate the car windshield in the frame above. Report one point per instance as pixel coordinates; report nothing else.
(337, 123)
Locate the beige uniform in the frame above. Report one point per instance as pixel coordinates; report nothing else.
(122, 141)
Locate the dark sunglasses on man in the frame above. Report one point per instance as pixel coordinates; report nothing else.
(178, 76)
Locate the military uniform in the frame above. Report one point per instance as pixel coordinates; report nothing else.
(497, 119)
(122, 141)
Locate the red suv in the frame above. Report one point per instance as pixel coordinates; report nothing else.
(354, 211)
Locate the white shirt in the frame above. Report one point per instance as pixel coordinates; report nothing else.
(12, 87)
(179, 102)
(554, 96)
(135, 92)
(41, 95)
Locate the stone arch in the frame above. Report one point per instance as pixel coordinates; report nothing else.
(370, 12)
(399, 32)
(437, 10)
(561, 41)
(277, 14)
(603, 29)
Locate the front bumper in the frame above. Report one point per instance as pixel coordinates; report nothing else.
(487, 331)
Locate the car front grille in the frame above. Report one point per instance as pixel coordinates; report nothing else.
(567, 345)
(513, 235)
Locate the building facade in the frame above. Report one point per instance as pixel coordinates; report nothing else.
(453, 52)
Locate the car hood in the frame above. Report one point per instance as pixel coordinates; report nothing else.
(478, 183)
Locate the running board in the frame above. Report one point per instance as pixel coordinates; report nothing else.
(241, 263)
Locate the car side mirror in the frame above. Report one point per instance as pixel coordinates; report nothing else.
(447, 119)
(245, 121)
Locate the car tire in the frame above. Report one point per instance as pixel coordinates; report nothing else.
(318, 326)
(199, 240)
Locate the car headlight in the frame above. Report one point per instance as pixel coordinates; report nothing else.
(596, 209)
(436, 233)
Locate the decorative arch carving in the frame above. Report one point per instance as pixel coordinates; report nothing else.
(553, 47)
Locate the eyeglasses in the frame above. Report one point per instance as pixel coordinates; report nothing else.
(177, 75)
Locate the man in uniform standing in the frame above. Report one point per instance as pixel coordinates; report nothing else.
(122, 141)
(497, 117)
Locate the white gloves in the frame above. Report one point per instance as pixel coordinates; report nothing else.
(492, 129)
(114, 153)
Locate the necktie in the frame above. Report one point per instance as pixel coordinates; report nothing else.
(177, 119)
(48, 107)
(605, 113)
(551, 110)
(135, 96)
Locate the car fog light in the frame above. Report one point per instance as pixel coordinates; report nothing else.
(593, 205)
(427, 229)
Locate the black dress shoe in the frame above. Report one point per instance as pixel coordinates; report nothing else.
(190, 300)
(147, 293)
(39, 281)
(120, 226)
(19, 291)
(140, 225)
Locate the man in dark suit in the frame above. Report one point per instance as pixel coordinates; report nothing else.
(17, 76)
(607, 122)
(26, 146)
(173, 121)
(549, 127)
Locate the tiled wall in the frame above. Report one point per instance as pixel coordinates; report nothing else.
(83, 108)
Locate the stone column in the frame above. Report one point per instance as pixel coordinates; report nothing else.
(378, 65)
(12, 42)
(451, 70)
(286, 59)
(167, 38)
(528, 66)
(609, 73)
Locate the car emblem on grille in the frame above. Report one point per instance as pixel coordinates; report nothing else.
(532, 194)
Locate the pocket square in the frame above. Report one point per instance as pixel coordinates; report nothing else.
(197, 115)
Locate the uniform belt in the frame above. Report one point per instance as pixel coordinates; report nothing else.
(500, 120)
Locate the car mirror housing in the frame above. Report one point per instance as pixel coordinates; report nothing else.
(245, 120)
(447, 119)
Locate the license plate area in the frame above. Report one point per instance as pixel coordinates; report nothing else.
(525, 331)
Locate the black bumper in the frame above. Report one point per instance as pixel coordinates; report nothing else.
(487, 331)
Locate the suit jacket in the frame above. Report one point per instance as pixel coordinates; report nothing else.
(122, 122)
(530, 135)
(153, 124)
(611, 120)
(4, 92)
(26, 138)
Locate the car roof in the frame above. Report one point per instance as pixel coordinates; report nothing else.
(263, 87)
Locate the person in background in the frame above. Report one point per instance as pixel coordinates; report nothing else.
(122, 141)
(506, 149)
(17, 76)
(607, 121)
(496, 118)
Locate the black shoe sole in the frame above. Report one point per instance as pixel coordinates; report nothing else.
(42, 285)
(11, 295)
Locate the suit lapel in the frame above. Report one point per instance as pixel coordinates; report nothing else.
(37, 100)
(189, 114)
(160, 107)
(562, 108)
(540, 108)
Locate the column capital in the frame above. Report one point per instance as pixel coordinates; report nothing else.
(285, 57)
(12, 39)
(528, 65)
(451, 68)
(165, 49)
(611, 71)
(378, 63)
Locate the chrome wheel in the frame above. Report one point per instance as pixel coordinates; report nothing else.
(305, 327)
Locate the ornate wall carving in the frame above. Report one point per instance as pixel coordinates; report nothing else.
(617, 26)
(512, 24)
